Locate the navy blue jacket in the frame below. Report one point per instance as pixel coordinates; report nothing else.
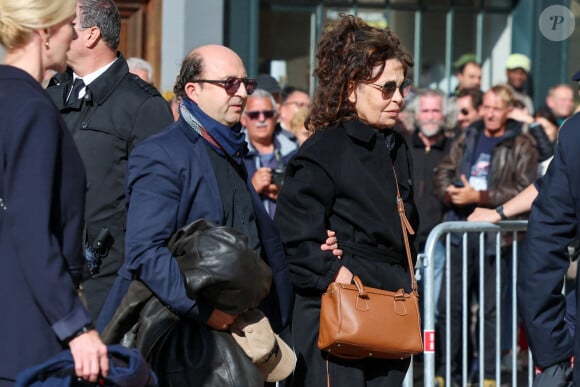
(553, 224)
(127, 368)
(171, 183)
(42, 188)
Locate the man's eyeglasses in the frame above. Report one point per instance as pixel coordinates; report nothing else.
(256, 114)
(389, 88)
(232, 84)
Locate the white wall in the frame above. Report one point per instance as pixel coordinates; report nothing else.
(187, 24)
(493, 67)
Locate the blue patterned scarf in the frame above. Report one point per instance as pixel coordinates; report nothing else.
(231, 139)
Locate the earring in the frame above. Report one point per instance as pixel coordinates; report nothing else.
(46, 45)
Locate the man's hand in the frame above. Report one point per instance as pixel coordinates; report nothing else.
(220, 320)
(90, 356)
(262, 179)
(462, 196)
(331, 244)
(262, 182)
(481, 214)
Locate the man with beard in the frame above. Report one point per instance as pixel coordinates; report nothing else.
(428, 145)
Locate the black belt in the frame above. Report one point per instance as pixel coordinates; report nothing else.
(371, 253)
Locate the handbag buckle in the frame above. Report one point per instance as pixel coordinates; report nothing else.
(399, 304)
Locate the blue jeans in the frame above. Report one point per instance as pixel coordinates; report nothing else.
(438, 262)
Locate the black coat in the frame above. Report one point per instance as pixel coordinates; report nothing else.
(429, 207)
(342, 179)
(218, 266)
(118, 111)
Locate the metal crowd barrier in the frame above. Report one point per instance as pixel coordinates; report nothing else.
(443, 232)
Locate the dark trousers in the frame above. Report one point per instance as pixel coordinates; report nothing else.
(473, 270)
(315, 367)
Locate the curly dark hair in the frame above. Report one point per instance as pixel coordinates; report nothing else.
(347, 54)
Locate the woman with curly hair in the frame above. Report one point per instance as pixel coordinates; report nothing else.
(343, 179)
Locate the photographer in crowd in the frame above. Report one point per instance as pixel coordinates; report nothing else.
(268, 154)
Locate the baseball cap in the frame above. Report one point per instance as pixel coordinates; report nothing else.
(464, 59)
(269, 353)
(518, 61)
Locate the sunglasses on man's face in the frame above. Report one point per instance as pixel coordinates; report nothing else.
(389, 88)
(232, 84)
(254, 115)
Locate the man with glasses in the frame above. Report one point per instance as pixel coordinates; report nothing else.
(108, 110)
(194, 170)
(488, 164)
(268, 154)
(467, 106)
(293, 99)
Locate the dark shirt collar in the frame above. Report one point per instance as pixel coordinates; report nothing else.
(417, 142)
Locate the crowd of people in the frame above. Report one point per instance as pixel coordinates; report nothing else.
(99, 172)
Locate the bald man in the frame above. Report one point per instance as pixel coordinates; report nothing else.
(194, 170)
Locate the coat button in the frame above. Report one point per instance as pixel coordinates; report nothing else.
(84, 125)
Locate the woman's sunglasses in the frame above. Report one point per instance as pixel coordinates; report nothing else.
(389, 88)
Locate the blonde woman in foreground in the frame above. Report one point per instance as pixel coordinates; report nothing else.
(42, 188)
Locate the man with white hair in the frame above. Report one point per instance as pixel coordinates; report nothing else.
(428, 145)
(268, 154)
(141, 68)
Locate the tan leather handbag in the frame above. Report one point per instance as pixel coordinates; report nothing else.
(363, 322)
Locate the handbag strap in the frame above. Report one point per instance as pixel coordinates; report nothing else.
(407, 229)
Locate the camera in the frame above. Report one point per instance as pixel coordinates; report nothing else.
(278, 177)
(458, 183)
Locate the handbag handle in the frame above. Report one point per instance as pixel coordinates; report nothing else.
(360, 287)
(406, 228)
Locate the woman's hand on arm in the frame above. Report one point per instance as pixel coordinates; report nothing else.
(331, 244)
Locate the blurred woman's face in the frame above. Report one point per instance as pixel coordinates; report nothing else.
(59, 41)
(373, 103)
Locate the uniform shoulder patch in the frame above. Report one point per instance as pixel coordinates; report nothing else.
(149, 88)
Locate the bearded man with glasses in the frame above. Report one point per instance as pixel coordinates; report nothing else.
(194, 170)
